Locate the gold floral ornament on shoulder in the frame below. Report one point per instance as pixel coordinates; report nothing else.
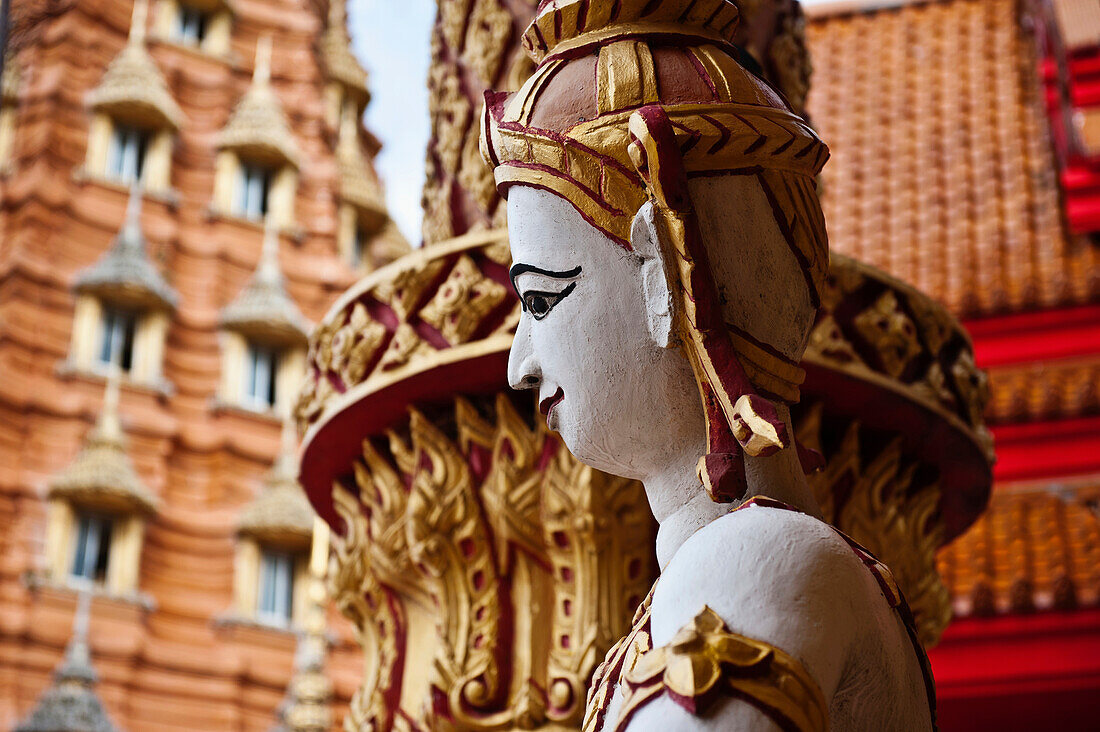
(705, 661)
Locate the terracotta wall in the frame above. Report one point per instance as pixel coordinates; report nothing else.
(170, 665)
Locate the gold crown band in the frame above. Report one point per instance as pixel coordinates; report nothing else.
(590, 167)
(567, 24)
(769, 372)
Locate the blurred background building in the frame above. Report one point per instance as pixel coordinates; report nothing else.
(966, 160)
(185, 186)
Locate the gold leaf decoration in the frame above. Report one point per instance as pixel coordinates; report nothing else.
(462, 301)
(890, 331)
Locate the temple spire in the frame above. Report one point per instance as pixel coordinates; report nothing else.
(132, 84)
(340, 63)
(286, 463)
(258, 123)
(357, 186)
(268, 270)
(102, 472)
(125, 273)
(77, 662)
(281, 512)
(108, 426)
(71, 704)
(138, 20)
(263, 307)
(261, 73)
(131, 226)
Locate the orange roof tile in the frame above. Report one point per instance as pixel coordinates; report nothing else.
(1037, 547)
(1044, 390)
(942, 172)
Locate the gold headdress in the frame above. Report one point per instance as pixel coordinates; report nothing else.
(626, 87)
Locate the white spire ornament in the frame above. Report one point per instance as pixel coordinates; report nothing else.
(71, 704)
(132, 86)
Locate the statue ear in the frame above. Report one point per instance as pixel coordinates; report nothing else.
(659, 305)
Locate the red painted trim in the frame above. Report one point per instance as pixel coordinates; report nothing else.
(1038, 450)
(1020, 672)
(1036, 336)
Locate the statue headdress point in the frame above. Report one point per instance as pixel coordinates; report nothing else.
(629, 101)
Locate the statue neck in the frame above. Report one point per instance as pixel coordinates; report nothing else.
(682, 507)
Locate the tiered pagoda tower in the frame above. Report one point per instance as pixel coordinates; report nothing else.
(185, 186)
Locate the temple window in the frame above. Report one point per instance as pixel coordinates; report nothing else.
(204, 25)
(275, 595)
(270, 574)
(260, 375)
(263, 339)
(94, 533)
(345, 78)
(97, 510)
(274, 535)
(116, 337)
(91, 548)
(256, 170)
(191, 25)
(250, 199)
(9, 99)
(122, 151)
(134, 117)
(359, 247)
(126, 153)
(107, 331)
(122, 308)
(250, 186)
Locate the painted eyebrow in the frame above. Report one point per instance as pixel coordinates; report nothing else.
(519, 269)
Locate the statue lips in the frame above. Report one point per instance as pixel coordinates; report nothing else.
(550, 402)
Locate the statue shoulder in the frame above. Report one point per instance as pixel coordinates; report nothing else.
(777, 576)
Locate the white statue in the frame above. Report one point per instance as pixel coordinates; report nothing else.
(668, 245)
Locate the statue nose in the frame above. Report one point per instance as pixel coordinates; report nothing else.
(526, 378)
(523, 366)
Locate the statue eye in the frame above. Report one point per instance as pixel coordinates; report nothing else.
(540, 303)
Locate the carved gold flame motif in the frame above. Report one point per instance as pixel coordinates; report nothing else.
(487, 570)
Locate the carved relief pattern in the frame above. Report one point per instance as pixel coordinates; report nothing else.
(404, 318)
(449, 543)
(487, 38)
(436, 201)
(476, 177)
(891, 332)
(870, 324)
(582, 508)
(440, 522)
(885, 507)
(790, 60)
(354, 585)
(462, 302)
(451, 113)
(475, 46)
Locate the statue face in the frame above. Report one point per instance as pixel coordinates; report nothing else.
(621, 401)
